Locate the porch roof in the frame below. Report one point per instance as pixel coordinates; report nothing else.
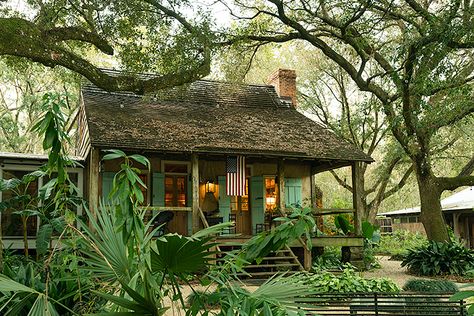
(210, 117)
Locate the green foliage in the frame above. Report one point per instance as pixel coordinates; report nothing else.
(28, 283)
(467, 296)
(371, 234)
(342, 223)
(180, 255)
(437, 258)
(126, 193)
(25, 83)
(329, 259)
(399, 242)
(346, 282)
(431, 286)
(299, 223)
(22, 202)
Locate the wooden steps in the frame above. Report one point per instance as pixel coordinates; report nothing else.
(281, 261)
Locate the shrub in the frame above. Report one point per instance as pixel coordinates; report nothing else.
(432, 286)
(349, 281)
(437, 258)
(399, 242)
(329, 259)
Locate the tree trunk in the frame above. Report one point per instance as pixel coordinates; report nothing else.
(431, 212)
(370, 213)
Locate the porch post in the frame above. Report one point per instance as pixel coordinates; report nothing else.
(195, 191)
(94, 165)
(281, 186)
(357, 198)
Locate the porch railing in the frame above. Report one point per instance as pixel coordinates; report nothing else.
(205, 223)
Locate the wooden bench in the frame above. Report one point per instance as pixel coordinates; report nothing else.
(405, 303)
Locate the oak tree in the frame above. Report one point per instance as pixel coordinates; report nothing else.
(415, 57)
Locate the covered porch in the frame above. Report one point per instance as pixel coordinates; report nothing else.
(192, 190)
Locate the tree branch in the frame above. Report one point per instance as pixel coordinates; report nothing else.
(468, 168)
(78, 34)
(452, 183)
(340, 181)
(22, 38)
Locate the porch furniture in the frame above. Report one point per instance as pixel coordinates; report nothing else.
(231, 230)
(162, 220)
(214, 220)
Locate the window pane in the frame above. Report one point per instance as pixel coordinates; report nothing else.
(181, 191)
(175, 190)
(169, 191)
(12, 223)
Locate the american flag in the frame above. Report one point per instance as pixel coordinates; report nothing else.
(235, 176)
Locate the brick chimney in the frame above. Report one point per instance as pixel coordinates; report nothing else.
(284, 81)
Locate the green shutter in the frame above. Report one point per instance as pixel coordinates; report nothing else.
(189, 202)
(158, 198)
(257, 203)
(107, 183)
(224, 199)
(293, 191)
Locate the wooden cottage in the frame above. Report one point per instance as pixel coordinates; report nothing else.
(188, 132)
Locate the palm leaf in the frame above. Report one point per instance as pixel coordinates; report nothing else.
(8, 285)
(108, 254)
(178, 254)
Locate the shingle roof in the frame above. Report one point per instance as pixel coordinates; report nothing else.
(213, 117)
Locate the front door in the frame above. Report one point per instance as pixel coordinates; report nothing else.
(240, 211)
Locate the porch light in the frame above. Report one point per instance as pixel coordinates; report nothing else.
(271, 200)
(210, 186)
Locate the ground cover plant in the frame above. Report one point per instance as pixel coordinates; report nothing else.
(348, 281)
(437, 258)
(429, 285)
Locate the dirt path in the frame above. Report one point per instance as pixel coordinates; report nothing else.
(392, 270)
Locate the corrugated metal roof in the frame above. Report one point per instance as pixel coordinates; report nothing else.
(463, 200)
(25, 156)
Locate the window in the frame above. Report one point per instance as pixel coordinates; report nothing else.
(175, 190)
(176, 183)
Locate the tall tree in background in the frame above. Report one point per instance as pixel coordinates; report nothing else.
(22, 86)
(415, 57)
(327, 92)
(358, 118)
(138, 35)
